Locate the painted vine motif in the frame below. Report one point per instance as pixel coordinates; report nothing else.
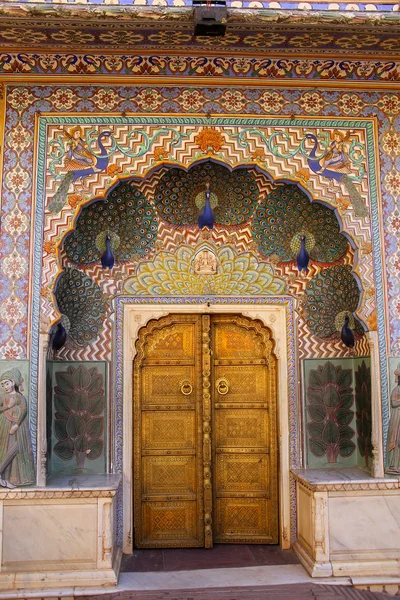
(79, 403)
(363, 411)
(330, 398)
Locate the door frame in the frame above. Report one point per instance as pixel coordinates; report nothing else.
(274, 317)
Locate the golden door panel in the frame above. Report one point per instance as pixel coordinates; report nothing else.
(245, 384)
(166, 385)
(205, 441)
(246, 520)
(170, 523)
(241, 428)
(169, 475)
(176, 342)
(244, 432)
(168, 430)
(242, 473)
(232, 342)
(168, 484)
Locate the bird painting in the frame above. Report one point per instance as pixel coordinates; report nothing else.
(284, 215)
(59, 337)
(334, 167)
(346, 334)
(303, 257)
(107, 259)
(81, 300)
(179, 194)
(80, 163)
(331, 295)
(206, 217)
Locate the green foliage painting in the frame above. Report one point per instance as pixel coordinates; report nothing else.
(329, 410)
(78, 424)
(79, 405)
(363, 411)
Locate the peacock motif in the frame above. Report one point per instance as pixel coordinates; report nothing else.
(125, 217)
(82, 301)
(181, 194)
(80, 162)
(331, 296)
(285, 216)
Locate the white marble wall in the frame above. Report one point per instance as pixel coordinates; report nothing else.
(62, 535)
(348, 523)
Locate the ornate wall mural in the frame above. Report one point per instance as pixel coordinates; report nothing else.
(77, 417)
(337, 397)
(321, 167)
(249, 199)
(17, 467)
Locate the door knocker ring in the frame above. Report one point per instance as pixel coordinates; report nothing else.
(222, 385)
(186, 387)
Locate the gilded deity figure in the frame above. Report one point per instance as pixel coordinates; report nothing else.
(16, 457)
(393, 444)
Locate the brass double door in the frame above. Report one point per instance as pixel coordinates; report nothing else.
(205, 440)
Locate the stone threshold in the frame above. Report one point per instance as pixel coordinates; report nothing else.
(188, 580)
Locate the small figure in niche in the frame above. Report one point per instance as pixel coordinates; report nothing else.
(16, 457)
(393, 443)
(205, 263)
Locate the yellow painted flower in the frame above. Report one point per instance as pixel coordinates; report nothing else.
(258, 154)
(49, 247)
(160, 154)
(74, 199)
(372, 324)
(112, 170)
(303, 174)
(209, 139)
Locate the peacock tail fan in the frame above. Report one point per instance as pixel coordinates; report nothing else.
(360, 209)
(331, 295)
(180, 195)
(285, 215)
(58, 201)
(126, 215)
(82, 301)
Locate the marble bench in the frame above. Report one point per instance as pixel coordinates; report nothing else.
(348, 523)
(61, 535)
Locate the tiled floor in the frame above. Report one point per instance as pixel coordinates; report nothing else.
(286, 592)
(221, 556)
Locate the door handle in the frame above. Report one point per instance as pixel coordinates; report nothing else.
(222, 385)
(186, 387)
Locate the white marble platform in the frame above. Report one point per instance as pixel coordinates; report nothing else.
(351, 476)
(197, 579)
(348, 523)
(59, 535)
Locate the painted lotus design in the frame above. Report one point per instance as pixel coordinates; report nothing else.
(173, 275)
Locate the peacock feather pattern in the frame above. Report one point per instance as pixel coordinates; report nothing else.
(82, 301)
(330, 296)
(179, 194)
(285, 215)
(125, 215)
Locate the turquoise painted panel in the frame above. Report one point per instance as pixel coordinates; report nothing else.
(330, 419)
(363, 400)
(76, 417)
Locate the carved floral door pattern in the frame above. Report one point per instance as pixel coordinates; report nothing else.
(205, 440)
